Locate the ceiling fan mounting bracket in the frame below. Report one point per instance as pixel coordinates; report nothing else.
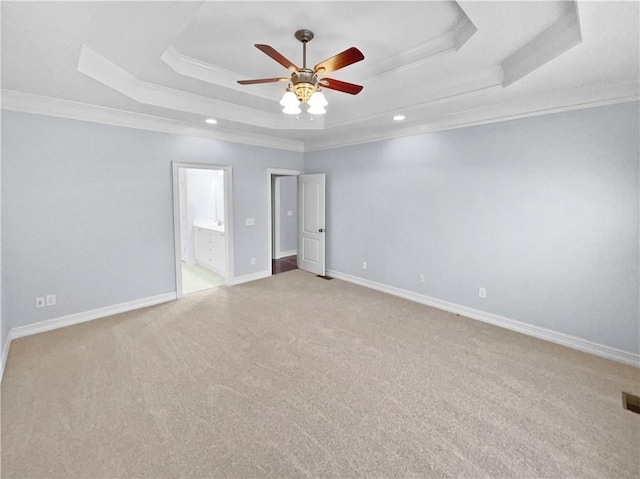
(304, 35)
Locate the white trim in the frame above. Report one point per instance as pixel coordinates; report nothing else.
(5, 354)
(500, 321)
(77, 318)
(452, 123)
(43, 105)
(270, 172)
(228, 218)
(85, 316)
(275, 216)
(563, 35)
(194, 68)
(487, 114)
(250, 277)
(284, 254)
(113, 76)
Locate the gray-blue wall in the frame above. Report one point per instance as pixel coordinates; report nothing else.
(542, 212)
(87, 211)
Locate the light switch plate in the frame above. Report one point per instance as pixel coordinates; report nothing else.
(289, 213)
(51, 300)
(250, 222)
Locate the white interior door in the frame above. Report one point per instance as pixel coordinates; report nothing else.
(311, 227)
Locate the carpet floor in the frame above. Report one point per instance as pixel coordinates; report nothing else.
(296, 376)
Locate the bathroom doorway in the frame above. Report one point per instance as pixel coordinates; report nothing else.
(202, 227)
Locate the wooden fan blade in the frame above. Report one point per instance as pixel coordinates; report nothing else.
(341, 60)
(262, 80)
(277, 56)
(342, 86)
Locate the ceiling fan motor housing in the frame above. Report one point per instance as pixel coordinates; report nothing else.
(305, 83)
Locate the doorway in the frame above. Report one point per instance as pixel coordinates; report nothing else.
(283, 220)
(202, 226)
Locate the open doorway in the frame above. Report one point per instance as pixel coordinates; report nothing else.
(283, 220)
(202, 226)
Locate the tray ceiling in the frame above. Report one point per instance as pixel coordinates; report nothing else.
(168, 66)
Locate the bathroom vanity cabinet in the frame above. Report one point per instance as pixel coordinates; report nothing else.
(210, 247)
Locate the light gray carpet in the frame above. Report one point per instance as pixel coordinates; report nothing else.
(295, 376)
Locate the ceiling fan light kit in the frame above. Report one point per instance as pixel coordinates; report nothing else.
(305, 84)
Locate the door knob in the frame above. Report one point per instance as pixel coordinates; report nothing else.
(321, 230)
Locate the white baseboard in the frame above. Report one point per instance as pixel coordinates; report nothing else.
(5, 353)
(71, 319)
(77, 318)
(524, 328)
(284, 254)
(249, 277)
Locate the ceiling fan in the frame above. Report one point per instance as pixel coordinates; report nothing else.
(305, 83)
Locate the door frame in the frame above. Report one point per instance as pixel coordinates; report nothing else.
(270, 172)
(228, 218)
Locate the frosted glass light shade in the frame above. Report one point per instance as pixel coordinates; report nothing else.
(316, 110)
(318, 99)
(289, 99)
(292, 109)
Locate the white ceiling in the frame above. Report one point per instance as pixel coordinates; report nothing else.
(168, 66)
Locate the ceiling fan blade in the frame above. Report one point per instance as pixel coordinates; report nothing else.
(262, 80)
(342, 86)
(341, 60)
(277, 56)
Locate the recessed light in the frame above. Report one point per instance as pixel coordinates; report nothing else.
(399, 118)
(211, 121)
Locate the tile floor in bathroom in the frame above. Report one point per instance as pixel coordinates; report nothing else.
(196, 278)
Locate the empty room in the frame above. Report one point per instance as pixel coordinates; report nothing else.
(320, 239)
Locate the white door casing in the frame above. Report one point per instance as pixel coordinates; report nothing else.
(311, 223)
(270, 201)
(182, 188)
(228, 218)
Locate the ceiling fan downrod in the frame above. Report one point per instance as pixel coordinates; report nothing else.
(305, 81)
(304, 36)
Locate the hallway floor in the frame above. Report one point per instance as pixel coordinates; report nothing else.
(288, 263)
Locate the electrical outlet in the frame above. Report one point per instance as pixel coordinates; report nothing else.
(482, 292)
(51, 300)
(364, 265)
(289, 213)
(253, 261)
(40, 302)
(422, 279)
(250, 222)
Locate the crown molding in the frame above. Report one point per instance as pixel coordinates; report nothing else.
(447, 42)
(42, 105)
(194, 68)
(108, 73)
(481, 83)
(563, 35)
(559, 102)
(522, 108)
